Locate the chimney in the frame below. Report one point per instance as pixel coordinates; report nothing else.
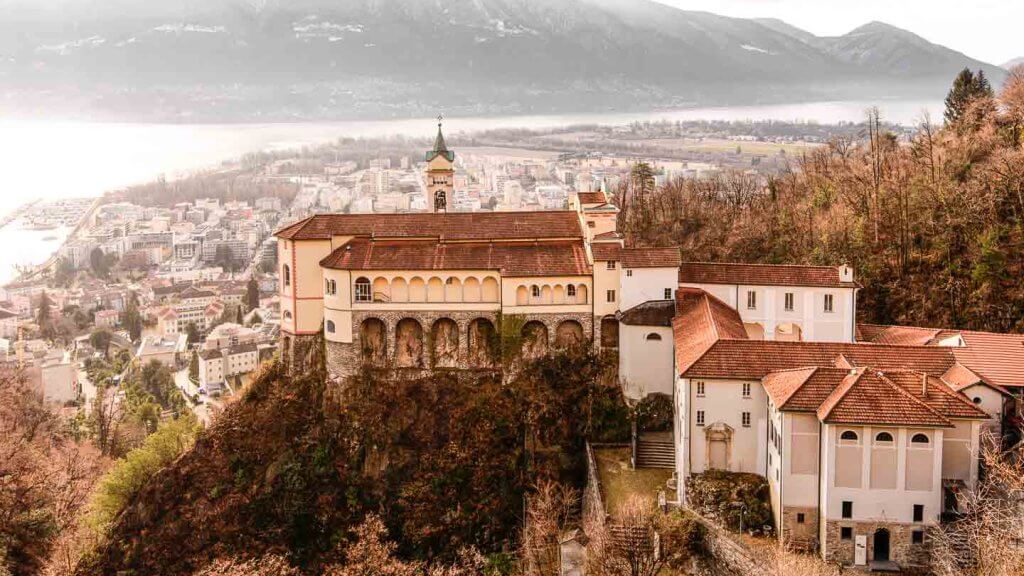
(845, 273)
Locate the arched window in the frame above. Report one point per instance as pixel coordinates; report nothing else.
(570, 291)
(919, 438)
(287, 315)
(535, 291)
(286, 275)
(654, 337)
(363, 292)
(883, 437)
(848, 436)
(330, 326)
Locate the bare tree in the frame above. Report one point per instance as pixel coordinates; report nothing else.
(988, 537)
(549, 511)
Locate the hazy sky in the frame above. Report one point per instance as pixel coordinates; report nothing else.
(989, 30)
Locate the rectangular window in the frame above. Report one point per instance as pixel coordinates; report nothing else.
(799, 517)
(789, 301)
(846, 533)
(918, 512)
(746, 389)
(611, 295)
(847, 509)
(629, 273)
(751, 300)
(700, 389)
(363, 292)
(611, 264)
(746, 419)
(668, 293)
(917, 537)
(700, 417)
(828, 303)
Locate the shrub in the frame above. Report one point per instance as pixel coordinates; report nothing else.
(737, 500)
(654, 413)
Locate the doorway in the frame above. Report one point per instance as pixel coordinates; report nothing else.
(881, 545)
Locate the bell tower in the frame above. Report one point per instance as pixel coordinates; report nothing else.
(440, 173)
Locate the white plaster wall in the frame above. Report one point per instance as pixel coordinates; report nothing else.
(646, 366)
(641, 285)
(895, 505)
(723, 401)
(808, 309)
(798, 489)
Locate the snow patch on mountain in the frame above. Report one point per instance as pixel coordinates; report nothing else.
(750, 48)
(66, 48)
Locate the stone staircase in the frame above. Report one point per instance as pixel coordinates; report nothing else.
(655, 450)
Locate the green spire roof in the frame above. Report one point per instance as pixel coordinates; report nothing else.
(440, 148)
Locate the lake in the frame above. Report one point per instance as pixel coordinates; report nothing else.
(47, 160)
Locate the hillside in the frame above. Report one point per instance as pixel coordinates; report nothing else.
(294, 465)
(313, 59)
(1012, 63)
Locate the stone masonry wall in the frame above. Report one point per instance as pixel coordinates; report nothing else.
(796, 535)
(346, 359)
(901, 549)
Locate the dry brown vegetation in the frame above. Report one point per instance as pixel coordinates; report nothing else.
(934, 227)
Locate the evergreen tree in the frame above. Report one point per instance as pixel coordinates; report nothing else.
(238, 315)
(192, 333)
(133, 318)
(967, 88)
(44, 316)
(193, 367)
(252, 294)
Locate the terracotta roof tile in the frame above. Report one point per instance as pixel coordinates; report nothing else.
(606, 251)
(651, 258)
(935, 393)
(511, 259)
(997, 358)
(592, 197)
(761, 275)
(701, 320)
(868, 397)
(458, 226)
(755, 358)
(802, 389)
(651, 313)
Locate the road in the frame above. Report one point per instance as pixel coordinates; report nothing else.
(201, 410)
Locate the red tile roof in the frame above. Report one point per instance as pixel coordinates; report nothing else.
(761, 275)
(869, 397)
(802, 389)
(935, 393)
(553, 258)
(701, 320)
(606, 251)
(905, 335)
(452, 227)
(651, 258)
(997, 358)
(739, 359)
(592, 197)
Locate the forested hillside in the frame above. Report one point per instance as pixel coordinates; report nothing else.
(933, 226)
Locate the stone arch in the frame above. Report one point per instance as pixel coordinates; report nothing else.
(435, 290)
(399, 290)
(546, 295)
(535, 340)
(490, 291)
(381, 290)
(581, 294)
(373, 342)
(453, 289)
(559, 294)
(417, 290)
(609, 332)
(444, 343)
(483, 344)
(522, 296)
(409, 344)
(471, 290)
(569, 334)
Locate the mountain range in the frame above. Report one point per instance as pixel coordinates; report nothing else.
(316, 59)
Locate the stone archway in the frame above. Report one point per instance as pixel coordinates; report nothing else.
(444, 338)
(609, 332)
(483, 344)
(569, 335)
(535, 340)
(409, 344)
(373, 342)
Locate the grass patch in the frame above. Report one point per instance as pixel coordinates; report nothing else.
(619, 481)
